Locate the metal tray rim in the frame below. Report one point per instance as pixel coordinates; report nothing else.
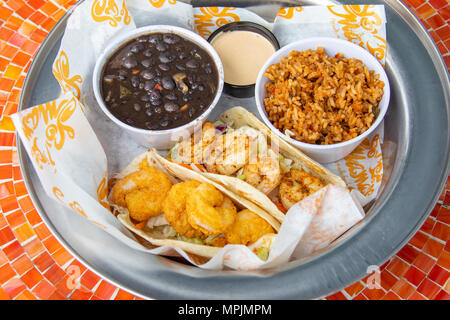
(440, 66)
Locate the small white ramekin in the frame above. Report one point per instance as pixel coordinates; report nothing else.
(332, 46)
(159, 139)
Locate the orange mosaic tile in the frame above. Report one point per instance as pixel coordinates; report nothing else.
(26, 204)
(5, 13)
(424, 262)
(6, 189)
(433, 248)
(22, 264)
(419, 240)
(33, 265)
(6, 273)
(13, 23)
(20, 189)
(3, 64)
(13, 287)
(43, 261)
(24, 232)
(33, 217)
(397, 267)
(6, 236)
(63, 288)
(5, 33)
(441, 231)
(403, 289)
(354, 289)
(5, 156)
(62, 256)
(428, 288)
(81, 295)
(123, 295)
(36, 4)
(42, 231)
(390, 296)
(408, 253)
(105, 290)
(33, 248)
(6, 138)
(31, 277)
(54, 274)
(56, 296)
(13, 250)
(43, 290)
(444, 260)
(417, 296)
(337, 296)
(374, 294)
(89, 279)
(442, 295)
(444, 215)
(387, 280)
(25, 295)
(51, 244)
(3, 258)
(439, 275)
(414, 276)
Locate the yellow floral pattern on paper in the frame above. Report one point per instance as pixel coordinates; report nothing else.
(62, 74)
(54, 116)
(365, 179)
(108, 10)
(213, 17)
(288, 13)
(354, 21)
(160, 3)
(75, 206)
(102, 193)
(59, 195)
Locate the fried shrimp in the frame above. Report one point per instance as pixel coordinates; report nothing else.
(264, 174)
(174, 207)
(192, 150)
(142, 192)
(247, 228)
(209, 211)
(297, 185)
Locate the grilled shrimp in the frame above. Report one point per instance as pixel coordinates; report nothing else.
(208, 210)
(191, 150)
(232, 151)
(228, 153)
(297, 185)
(174, 207)
(142, 192)
(264, 174)
(247, 228)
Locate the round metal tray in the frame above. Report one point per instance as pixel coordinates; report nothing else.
(417, 123)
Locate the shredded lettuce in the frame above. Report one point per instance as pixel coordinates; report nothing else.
(242, 177)
(263, 253)
(190, 240)
(209, 239)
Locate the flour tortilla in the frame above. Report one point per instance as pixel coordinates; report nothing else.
(238, 117)
(177, 173)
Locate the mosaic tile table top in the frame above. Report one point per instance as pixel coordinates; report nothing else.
(34, 265)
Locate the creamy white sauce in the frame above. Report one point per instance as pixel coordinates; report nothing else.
(243, 53)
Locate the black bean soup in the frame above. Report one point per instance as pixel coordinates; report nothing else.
(159, 81)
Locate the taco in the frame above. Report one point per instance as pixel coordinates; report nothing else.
(168, 204)
(239, 152)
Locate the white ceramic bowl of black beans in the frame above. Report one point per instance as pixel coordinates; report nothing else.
(159, 83)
